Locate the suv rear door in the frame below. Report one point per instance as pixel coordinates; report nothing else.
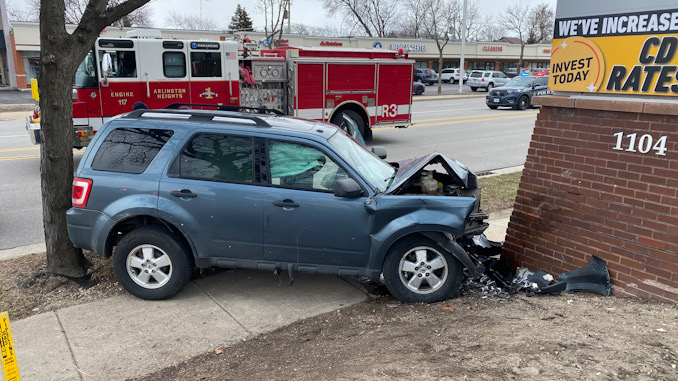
(211, 192)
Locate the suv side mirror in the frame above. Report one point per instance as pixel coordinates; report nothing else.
(379, 151)
(347, 188)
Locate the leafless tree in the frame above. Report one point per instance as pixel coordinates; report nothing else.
(275, 13)
(541, 21)
(74, 9)
(61, 53)
(376, 18)
(187, 21)
(411, 22)
(490, 31)
(516, 20)
(310, 30)
(474, 22)
(436, 24)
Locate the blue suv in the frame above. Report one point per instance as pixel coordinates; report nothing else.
(166, 191)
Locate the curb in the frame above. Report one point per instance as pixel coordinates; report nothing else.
(420, 98)
(17, 107)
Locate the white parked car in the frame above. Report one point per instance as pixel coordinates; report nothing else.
(452, 75)
(486, 79)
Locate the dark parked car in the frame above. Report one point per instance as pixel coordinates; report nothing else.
(427, 76)
(517, 92)
(164, 191)
(418, 88)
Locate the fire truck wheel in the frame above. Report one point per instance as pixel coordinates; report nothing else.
(338, 120)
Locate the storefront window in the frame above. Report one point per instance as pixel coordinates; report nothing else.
(479, 65)
(32, 66)
(446, 64)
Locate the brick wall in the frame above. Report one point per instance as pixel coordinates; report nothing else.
(579, 196)
(19, 68)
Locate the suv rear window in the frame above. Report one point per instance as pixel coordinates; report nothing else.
(130, 150)
(476, 74)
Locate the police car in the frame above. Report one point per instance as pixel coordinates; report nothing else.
(518, 92)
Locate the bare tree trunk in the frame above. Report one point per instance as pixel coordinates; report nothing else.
(56, 150)
(60, 54)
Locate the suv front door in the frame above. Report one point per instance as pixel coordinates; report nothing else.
(212, 193)
(303, 220)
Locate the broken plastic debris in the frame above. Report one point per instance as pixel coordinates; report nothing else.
(660, 330)
(218, 351)
(448, 308)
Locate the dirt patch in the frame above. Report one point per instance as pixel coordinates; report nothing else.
(478, 337)
(475, 336)
(26, 289)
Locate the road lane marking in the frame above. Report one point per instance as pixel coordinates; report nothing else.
(20, 149)
(477, 116)
(417, 124)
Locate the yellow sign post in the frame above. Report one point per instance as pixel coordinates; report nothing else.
(9, 366)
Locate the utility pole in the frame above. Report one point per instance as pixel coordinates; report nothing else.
(463, 45)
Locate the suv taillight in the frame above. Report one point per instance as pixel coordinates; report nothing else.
(80, 192)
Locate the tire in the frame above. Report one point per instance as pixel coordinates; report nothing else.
(419, 91)
(473, 88)
(523, 103)
(489, 87)
(410, 282)
(338, 120)
(153, 249)
(492, 107)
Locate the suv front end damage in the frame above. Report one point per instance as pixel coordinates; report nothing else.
(438, 175)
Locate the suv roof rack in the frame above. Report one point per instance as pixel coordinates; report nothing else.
(200, 114)
(253, 110)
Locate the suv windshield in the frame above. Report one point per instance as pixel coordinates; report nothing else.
(378, 172)
(519, 82)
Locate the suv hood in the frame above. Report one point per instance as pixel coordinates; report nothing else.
(411, 167)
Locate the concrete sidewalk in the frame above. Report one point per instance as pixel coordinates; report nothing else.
(123, 337)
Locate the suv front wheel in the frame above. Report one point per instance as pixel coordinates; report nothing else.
(417, 270)
(151, 263)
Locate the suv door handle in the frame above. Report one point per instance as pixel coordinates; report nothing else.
(286, 204)
(184, 193)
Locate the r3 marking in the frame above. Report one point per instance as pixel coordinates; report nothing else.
(389, 110)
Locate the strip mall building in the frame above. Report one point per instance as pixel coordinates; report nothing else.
(499, 55)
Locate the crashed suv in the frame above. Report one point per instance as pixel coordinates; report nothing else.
(166, 191)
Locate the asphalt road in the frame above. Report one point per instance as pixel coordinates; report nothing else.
(464, 129)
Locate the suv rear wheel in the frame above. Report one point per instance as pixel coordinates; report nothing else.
(417, 270)
(151, 263)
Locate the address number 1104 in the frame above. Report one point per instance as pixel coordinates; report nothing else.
(644, 144)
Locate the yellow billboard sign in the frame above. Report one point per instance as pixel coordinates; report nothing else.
(9, 366)
(632, 54)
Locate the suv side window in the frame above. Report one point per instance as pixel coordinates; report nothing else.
(130, 150)
(541, 81)
(217, 157)
(298, 166)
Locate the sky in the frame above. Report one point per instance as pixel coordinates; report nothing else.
(309, 12)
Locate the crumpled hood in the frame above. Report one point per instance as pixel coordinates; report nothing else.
(408, 168)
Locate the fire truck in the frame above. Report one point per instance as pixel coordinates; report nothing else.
(373, 87)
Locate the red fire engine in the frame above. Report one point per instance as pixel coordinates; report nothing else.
(372, 86)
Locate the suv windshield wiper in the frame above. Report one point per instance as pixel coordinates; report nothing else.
(391, 178)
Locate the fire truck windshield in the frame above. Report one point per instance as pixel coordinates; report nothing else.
(86, 75)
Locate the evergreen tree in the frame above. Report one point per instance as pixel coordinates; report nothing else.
(240, 20)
